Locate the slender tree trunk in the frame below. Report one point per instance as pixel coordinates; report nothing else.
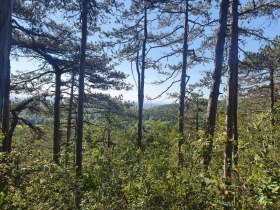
(109, 142)
(231, 101)
(56, 119)
(80, 118)
(272, 97)
(181, 116)
(5, 47)
(234, 38)
(216, 80)
(197, 118)
(235, 126)
(69, 119)
(141, 83)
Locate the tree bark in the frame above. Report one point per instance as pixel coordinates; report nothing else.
(5, 47)
(216, 80)
(12, 129)
(69, 119)
(80, 117)
(7, 147)
(231, 102)
(141, 83)
(272, 97)
(234, 40)
(197, 118)
(109, 121)
(181, 116)
(56, 119)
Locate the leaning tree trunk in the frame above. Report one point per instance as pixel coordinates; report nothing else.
(216, 80)
(56, 119)
(5, 47)
(231, 102)
(80, 117)
(181, 116)
(141, 79)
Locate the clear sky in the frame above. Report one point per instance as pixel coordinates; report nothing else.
(195, 73)
(270, 28)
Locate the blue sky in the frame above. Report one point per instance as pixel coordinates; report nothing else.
(271, 30)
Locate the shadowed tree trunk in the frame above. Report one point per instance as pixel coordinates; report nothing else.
(216, 80)
(80, 117)
(56, 118)
(141, 79)
(181, 116)
(231, 102)
(7, 146)
(5, 47)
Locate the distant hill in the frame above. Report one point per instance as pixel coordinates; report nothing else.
(166, 112)
(153, 104)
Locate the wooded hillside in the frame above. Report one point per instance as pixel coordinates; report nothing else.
(67, 140)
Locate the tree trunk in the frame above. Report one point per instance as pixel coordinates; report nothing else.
(5, 47)
(216, 80)
(197, 118)
(7, 146)
(80, 118)
(183, 88)
(56, 119)
(231, 101)
(12, 129)
(272, 97)
(69, 120)
(141, 83)
(109, 121)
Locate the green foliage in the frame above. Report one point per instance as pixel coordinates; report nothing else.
(38, 185)
(124, 177)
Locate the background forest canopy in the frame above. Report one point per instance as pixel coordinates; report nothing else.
(76, 77)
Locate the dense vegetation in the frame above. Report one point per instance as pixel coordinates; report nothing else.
(123, 177)
(67, 145)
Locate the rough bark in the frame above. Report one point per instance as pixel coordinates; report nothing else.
(231, 101)
(5, 46)
(80, 113)
(69, 120)
(216, 80)
(141, 83)
(183, 88)
(56, 119)
(7, 147)
(234, 44)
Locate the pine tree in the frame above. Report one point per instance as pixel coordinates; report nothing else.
(6, 8)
